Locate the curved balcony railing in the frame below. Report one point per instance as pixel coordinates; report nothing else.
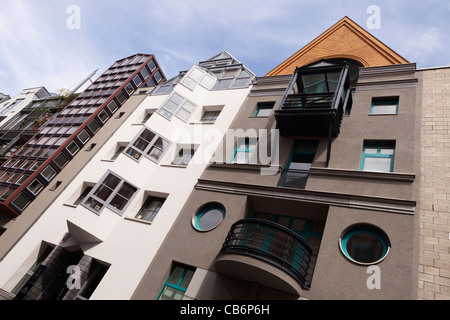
(273, 243)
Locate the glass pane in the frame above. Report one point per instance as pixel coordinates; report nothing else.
(119, 202)
(183, 114)
(371, 150)
(94, 204)
(314, 83)
(111, 181)
(365, 248)
(103, 192)
(170, 293)
(386, 151)
(208, 82)
(210, 219)
(141, 144)
(384, 109)
(187, 279)
(377, 164)
(175, 277)
(196, 74)
(155, 153)
(127, 190)
(134, 153)
(264, 112)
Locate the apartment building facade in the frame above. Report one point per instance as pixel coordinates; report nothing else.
(333, 214)
(35, 160)
(115, 212)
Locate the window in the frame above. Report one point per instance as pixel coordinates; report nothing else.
(103, 116)
(177, 105)
(364, 244)
(244, 149)
(118, 150)
(150, 208)
(264, 109)
(35, 187)
(121, 97)
(384, 105)
(197, 76)
(210, 116)
(73, 148)
(137, 81)
(112, 106)
(21, 202)
(86, 189)
(147, 115)
(148, 144)
(36, 165)
(378, 156)
(94, 126)
(296, 173)
(177, 282)
(96, 273)
(13, 177)
(83, 136)
(208, 216)
(48, 173)
(61, 160)
(184, 155)
(112, 192)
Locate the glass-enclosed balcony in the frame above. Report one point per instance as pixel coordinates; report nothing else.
(272, 244)
(315, 100)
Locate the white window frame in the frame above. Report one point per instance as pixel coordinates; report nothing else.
(107, 203)
(150, 146)
(180, 104)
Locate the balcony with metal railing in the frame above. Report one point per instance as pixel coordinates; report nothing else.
(266, 252)
(315, 101)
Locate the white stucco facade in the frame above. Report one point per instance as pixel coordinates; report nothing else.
(128, 244)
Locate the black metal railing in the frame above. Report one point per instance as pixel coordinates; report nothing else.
(293, 178)
(308, 101)
(272, 243)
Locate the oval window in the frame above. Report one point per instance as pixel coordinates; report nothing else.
(208, 216)
(364, 244)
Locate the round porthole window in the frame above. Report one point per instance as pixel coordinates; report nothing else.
(364, 244)
(208, 216)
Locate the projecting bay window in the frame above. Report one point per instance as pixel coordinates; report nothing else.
(148, 144)
(177, 105)
(197, 76)
(112, 192)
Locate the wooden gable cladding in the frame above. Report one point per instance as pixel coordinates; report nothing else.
(345, 39)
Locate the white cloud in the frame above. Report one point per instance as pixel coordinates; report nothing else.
(38, 49)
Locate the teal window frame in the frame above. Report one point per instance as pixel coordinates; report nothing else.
(364, 229)
(247, 149)
(179, 285)
(384, 101)
(379, 146)
(263, 106)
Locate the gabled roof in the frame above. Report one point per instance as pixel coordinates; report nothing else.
(345, 39)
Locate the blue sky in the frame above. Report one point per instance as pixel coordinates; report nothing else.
(37, 48)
